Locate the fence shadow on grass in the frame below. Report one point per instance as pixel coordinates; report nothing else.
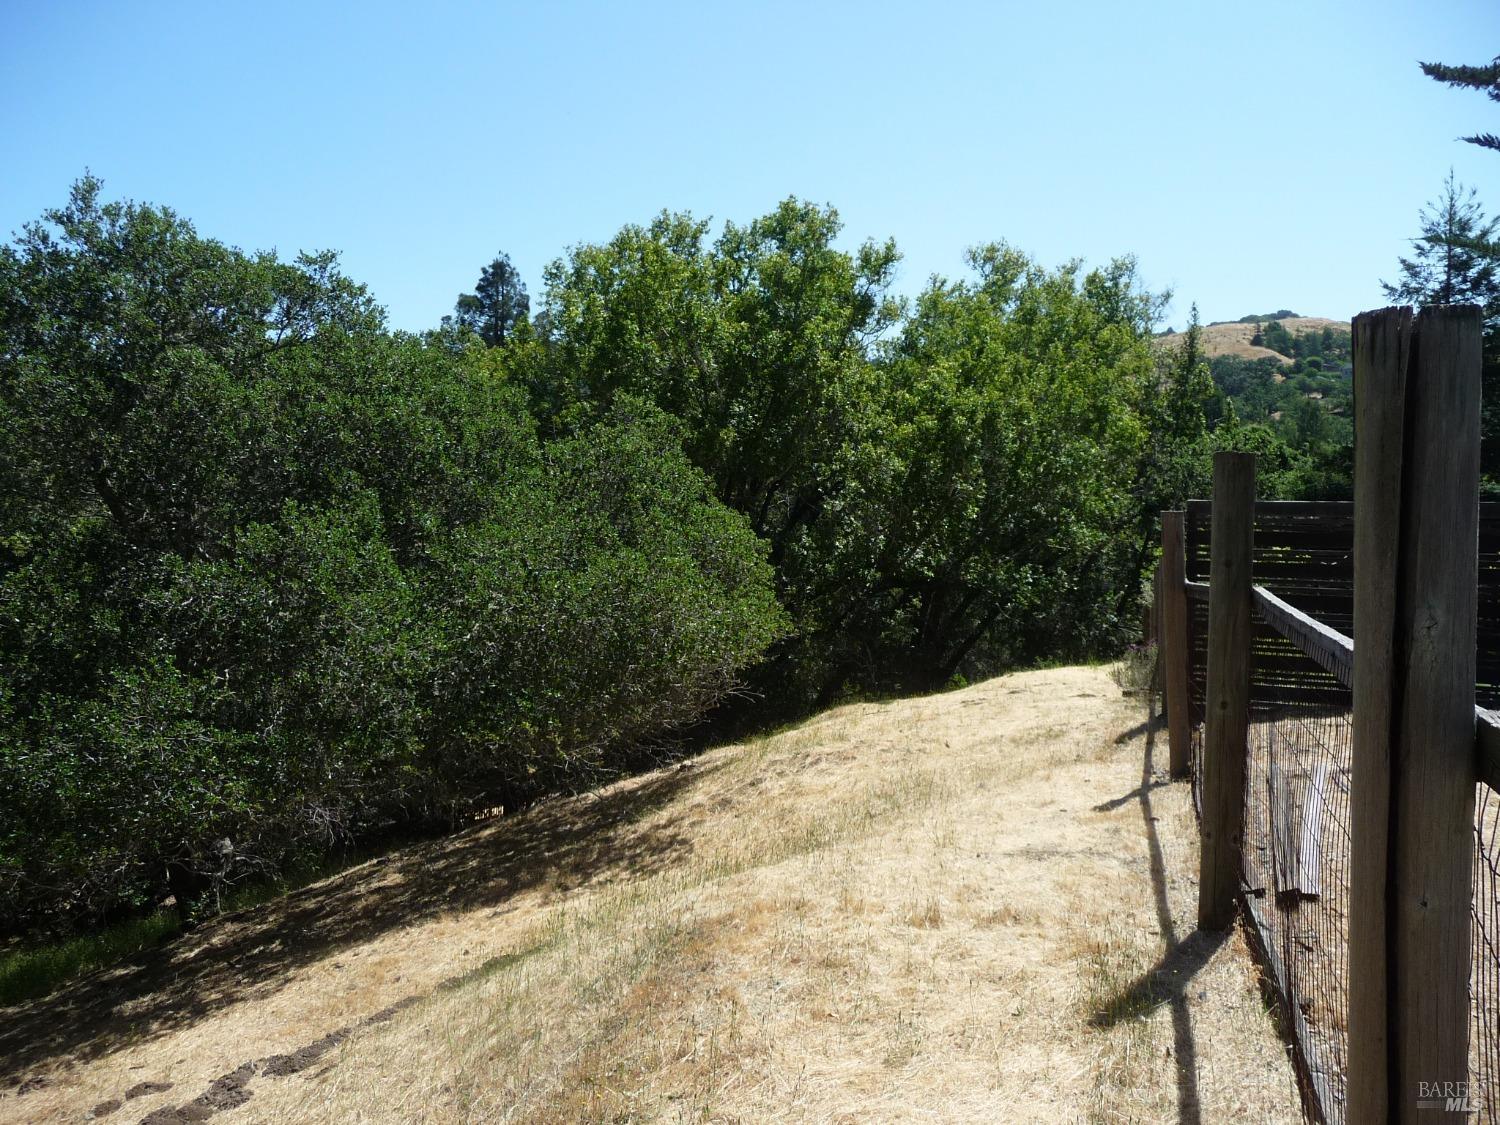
(253, 955)
(1167, 981)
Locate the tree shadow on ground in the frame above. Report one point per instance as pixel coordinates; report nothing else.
(254, 954)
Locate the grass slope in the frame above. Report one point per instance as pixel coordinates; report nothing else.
(1233, 338)
(970, 906)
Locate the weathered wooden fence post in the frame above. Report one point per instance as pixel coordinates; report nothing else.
(1175, 645)
(1158, 688)
(1416, 491)
(1227, 695)
(1381, 344)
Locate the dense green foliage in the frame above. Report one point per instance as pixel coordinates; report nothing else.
(1298, 417)
(960, 488)
(271, 576)
(496, 307)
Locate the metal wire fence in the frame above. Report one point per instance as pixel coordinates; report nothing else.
(1296, 855)
(1296, 851)
(1484, 978)
(1197, 688)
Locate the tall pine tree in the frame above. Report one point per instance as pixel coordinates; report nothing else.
(1455, 259)
(498, 303)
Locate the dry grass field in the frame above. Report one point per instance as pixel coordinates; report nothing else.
(974, 906)
(1234, 339)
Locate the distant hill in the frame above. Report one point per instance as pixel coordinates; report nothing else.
(1233, 337)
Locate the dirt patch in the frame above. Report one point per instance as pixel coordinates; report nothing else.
(385, 1014)
(177, 1115)
(225, 1092)
(141, 1089)
(278, 1066)
(230, 1090)
(28, 1085)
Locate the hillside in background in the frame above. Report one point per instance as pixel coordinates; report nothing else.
(1293, 376)
(1234, 337)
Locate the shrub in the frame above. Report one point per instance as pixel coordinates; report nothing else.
(272, 577)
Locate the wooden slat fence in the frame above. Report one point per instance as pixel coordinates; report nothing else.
(1348, 782)
(1304, 554)
(1297, 846)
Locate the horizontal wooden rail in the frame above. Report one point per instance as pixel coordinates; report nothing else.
(1487, 747)
(1488, 509)
(1333, 651)
(1311, 509)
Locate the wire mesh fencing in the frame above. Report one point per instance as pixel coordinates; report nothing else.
(1484, 977)
(1296, 856)
(1296, 853)
(1197, 691)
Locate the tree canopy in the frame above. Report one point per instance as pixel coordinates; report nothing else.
(272, 577)
(1455, 259)
(497, 306)
(894, 461)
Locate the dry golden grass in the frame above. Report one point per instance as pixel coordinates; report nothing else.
(1234, 339)
(964, 907)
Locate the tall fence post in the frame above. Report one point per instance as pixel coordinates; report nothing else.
(1174, 644)
(1158, 688)
(1381, 344)
(1227, 695)
(1412, 791)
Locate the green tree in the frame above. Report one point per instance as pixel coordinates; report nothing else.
(274, 575)
(498, 304)
(1276, 337)
(1457, 260)
(990, 510)
(1453, 261)
(959, 495)
(1174, 464)
(755, 342)
(1486, 78)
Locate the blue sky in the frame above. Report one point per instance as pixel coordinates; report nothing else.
(1251, 156)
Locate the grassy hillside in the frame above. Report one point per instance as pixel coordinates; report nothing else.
(970, 906)
(1233, 337)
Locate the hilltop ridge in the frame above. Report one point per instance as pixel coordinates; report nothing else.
(1233, 337)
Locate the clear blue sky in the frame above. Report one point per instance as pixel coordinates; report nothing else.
(1252, 156)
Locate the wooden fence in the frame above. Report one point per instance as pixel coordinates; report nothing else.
(1323, 666)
